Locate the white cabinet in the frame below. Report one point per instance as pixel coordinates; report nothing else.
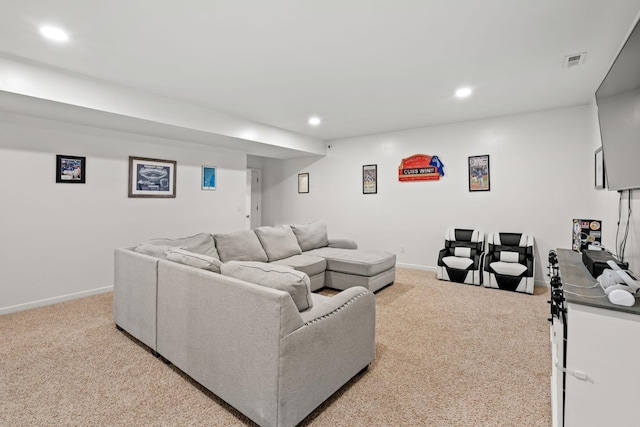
(603, 368)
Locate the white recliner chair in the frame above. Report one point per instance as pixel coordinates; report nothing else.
(461, 259)
(509, 262)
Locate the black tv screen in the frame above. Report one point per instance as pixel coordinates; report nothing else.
(618, 101)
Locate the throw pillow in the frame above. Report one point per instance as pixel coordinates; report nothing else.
(311, 236)
(281, 277)
(193, 259)
(240, 245)
(201, 243)
(278, 242)
(158, 251)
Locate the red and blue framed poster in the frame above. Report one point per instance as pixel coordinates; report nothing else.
(420, 167)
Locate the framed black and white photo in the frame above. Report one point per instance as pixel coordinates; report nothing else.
(303, 183)
(369, 179)
(152, 177)
(71, 169)
(479, 179)
(208, 178)
(599, 169)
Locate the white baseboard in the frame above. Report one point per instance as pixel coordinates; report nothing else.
(54, 300)
(416, 266)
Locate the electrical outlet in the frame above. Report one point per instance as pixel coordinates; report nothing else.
(402, 249)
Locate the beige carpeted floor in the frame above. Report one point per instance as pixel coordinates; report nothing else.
(447, 355)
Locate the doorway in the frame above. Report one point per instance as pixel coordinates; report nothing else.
(254, 199)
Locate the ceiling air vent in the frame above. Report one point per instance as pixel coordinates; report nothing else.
(573, 60)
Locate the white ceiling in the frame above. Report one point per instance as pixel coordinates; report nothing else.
(363, 66)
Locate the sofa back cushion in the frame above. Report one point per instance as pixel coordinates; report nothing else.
(193, 259)
(201, 243)
(280, 277)
(278, 242)
(311, 236)
(240, 245)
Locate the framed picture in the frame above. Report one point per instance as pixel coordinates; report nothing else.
(152, 177)
(208, 178)
(303, 183)
(71, 169)
(369, 179)
(479, 179)
(599, 169)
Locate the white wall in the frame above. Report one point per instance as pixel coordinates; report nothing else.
(58, 239)
(542, 176)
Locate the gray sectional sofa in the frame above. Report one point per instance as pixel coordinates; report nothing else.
(236, 313)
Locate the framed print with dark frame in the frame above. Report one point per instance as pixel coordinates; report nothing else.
(599, 169)
(152, 177)
(303, 183)
(479, 179)
(71, 169)
(209, 177)
(369, 179)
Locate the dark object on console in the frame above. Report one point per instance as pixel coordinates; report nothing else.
(596, 261)
(461, 259)
(509, 262)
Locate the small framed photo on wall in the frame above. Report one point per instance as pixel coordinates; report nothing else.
(70, 169)
(152, 177)
(208, 178)
(479, 179)
(369, 179)
(303, 183)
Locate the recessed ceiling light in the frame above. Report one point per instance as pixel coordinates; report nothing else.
(314, 121)
(54, 33)
(463, 92)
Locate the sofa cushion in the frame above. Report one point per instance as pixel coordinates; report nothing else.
(158, 251)
(193, 259)
(311, 236)
(240, 245)
(278, 242)
(201, 243)
(311, 265)
(358, 262)
(280, 277)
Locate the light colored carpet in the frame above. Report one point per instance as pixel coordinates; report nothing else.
(447, 355)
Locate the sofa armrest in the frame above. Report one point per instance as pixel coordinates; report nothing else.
(134, 294)
(326, 352)
(323, 305)
(343, 244)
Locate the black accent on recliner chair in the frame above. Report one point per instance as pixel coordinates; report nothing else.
(508, 283)
(456, 275)
(463, 235)
(463, 239)
(510, 243)
(510, 239)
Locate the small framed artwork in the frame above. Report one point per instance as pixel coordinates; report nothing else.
(599, 169)
(208, 178)
(303, 183)
(71, 169)
(369, 179)
(152, 177)
(479, 179)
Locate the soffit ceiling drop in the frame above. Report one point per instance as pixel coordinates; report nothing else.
(361, 66)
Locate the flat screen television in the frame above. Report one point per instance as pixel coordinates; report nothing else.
(618, 101)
